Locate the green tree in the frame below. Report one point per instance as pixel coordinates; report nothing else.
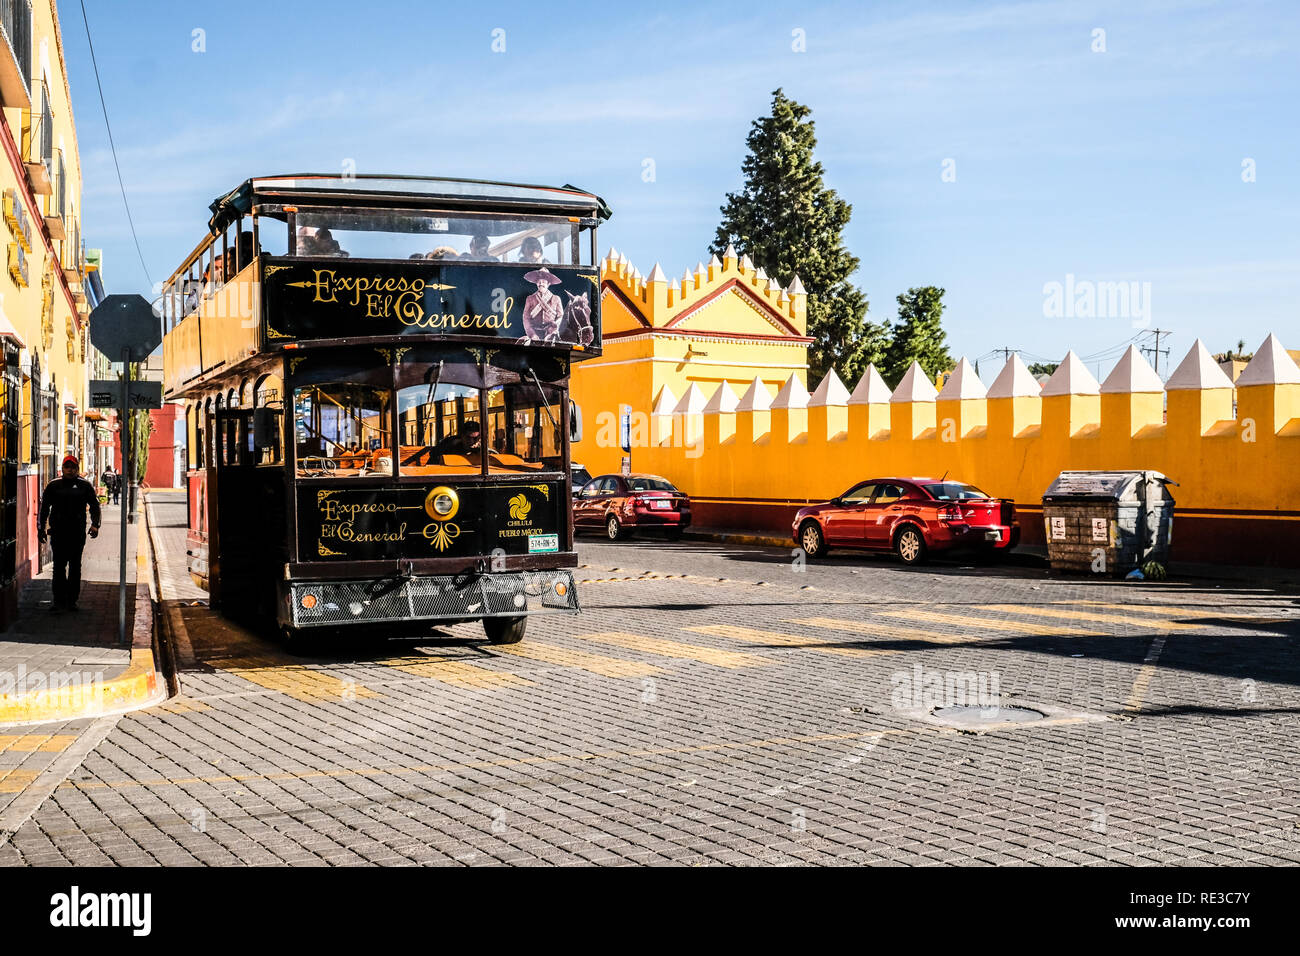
(917, 336)
(1043, 368)
(790, 224)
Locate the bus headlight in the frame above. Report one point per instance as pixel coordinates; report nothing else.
(442, 503)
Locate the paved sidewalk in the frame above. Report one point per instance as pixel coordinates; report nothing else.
(57, 666)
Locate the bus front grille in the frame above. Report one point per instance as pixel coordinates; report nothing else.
(429, 597)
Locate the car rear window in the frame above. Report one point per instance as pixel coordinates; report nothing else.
(954, 491)
(649, 484)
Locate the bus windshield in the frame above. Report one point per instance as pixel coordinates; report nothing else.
(401, 234)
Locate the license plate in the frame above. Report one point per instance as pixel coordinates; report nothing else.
(992, 535)
(543, 543)
(661, 503)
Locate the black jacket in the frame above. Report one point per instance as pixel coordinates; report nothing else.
(64, 505)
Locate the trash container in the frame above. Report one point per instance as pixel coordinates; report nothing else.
(1108, 522)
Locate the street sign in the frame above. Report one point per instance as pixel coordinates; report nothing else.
(107, 393)
(625, 427)
(125, 323)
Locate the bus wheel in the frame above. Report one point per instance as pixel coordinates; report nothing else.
(505, 630)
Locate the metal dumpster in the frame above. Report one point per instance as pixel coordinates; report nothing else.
(1108, 522)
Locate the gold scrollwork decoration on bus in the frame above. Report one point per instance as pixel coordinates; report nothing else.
(326, 552)
(441, 534)
(544, 489)
(275, 334)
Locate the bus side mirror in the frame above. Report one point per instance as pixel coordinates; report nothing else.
(575, 421)
(264, 427)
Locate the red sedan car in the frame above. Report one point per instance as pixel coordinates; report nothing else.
(909, 516)
(625, 504)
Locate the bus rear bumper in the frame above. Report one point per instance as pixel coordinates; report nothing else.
(467, 597)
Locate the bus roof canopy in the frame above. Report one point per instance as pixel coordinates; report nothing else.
(406, 190)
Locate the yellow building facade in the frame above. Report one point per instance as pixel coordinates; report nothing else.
(671, 343)
(713, 366)
(43, 308)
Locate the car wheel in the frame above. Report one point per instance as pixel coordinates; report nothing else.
(910, 545)
(812, 540)
(505, 630)
(613, 530)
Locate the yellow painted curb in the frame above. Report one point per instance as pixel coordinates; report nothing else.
(136, 687)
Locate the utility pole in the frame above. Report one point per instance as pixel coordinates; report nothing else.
(1156, 350)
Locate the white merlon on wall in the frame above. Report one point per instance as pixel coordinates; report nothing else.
(1198, 370)
(1132, 374)
(1071, 378)
(915, 386)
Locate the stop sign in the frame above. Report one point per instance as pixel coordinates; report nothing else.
(125, 322)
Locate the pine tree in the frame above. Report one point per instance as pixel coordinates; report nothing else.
(790, 224)
(918, 336)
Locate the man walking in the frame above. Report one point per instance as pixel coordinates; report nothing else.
(112, 481)
(64, 505)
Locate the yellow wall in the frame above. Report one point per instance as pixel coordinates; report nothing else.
(45, 333)
(1238, 477)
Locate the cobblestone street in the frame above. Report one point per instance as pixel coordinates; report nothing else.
(716, 705)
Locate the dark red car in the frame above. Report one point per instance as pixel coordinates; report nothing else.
(621, 505)
(909, 516)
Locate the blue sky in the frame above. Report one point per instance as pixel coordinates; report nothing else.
(1122, 165)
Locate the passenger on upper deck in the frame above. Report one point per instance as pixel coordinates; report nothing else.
(531, 250)
(442, 252)
(478, 249)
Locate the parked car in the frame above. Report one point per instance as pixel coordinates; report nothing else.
(578, 477)
(622, 505)
(909, 516)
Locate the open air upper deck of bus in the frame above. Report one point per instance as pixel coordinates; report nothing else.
(323, 260)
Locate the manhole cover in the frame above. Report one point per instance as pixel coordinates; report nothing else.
(976, 716)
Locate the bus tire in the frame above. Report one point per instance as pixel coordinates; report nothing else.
(505, 630)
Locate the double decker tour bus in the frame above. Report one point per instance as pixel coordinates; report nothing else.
(375, 376)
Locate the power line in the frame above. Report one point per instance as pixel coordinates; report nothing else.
(112, 146)
(1156, 350)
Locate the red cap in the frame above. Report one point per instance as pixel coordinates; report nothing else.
(71, 459)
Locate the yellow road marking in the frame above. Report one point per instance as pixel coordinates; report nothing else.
(34, 743)
(455, 672)
(754, 636)
(16, 781)
(583, 660)
(882, 629)
(679, 649)
(1139, 692)
(296, 681)
(183, 706)
(983, 624)
(1077, 615)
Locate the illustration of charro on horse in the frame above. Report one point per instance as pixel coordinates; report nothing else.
(548, 319)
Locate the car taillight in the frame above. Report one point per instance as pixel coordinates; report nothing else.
(950, 513)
